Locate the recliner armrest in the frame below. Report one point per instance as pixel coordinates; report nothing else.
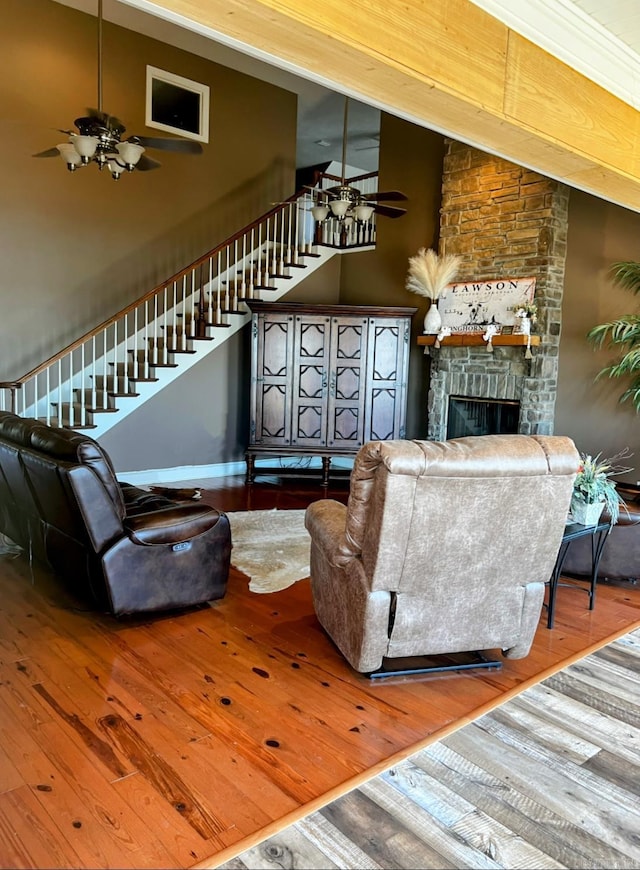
(172, 525)
(325, 521)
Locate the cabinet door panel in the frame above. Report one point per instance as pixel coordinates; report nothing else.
(309, 380)
(271, 368)
(345, 410)
(386, 381)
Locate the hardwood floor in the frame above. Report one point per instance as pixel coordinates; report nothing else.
(548, 779)
(186, 739)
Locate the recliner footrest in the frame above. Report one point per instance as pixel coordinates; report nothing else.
(433, 664)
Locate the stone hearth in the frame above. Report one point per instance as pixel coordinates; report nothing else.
(504, 221)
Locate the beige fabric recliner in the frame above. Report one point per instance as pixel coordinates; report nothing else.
(444, 547)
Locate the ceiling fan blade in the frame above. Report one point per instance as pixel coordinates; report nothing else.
(389, 211)
(50, 152)
(183, 146)
(145, 164)
(390, 195)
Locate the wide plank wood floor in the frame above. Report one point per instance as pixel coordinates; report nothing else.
(184, 740)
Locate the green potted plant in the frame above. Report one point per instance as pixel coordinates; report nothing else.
(623, 334)
(594, 490)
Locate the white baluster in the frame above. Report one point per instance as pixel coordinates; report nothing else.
(210, 293)
(218, 318)
(71, 409)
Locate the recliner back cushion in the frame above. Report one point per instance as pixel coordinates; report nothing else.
(69, 446)
(56, 506)
(411, 502)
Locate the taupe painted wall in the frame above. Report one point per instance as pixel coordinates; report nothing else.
(599, 234)
(76, 248)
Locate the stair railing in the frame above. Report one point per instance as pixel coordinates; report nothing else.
(90, 374)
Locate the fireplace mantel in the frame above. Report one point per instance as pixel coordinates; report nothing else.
(475, 339)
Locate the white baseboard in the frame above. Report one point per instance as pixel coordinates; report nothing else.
(223, 469)
(181, 472)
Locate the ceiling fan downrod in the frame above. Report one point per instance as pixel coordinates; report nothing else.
(100, 55)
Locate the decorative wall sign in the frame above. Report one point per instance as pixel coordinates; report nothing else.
(474, 305)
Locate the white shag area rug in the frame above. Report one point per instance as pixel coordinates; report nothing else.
(271, 547)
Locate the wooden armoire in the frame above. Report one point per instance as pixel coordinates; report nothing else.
(324, 380)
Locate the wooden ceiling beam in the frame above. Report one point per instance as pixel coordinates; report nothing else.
(451, 67)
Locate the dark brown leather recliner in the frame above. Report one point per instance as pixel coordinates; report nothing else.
(620, 558)
(131, 550)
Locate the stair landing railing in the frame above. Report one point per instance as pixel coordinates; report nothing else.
(90, 374)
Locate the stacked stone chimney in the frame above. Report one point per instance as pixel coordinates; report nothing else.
(504, 221)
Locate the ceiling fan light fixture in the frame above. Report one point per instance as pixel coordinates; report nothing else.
(86, 147)
(70, 156)
(363, 212)
(99, 138)
(130, 153)
(116, 168)
(320, 212)
(339, 207)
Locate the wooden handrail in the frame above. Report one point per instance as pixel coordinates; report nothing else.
(174, 279)
(151, 293)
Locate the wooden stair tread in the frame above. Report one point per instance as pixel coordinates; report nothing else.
(157, 365)
(101, 410)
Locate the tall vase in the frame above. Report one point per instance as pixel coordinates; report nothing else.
(432, 319)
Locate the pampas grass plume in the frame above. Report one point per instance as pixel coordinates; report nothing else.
(429, 273)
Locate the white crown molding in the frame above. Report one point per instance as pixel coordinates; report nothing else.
(568, 33)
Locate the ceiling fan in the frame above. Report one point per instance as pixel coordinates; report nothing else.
(345, 200)
(98, 138)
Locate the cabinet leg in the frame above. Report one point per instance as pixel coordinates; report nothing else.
(326, 464)
(251, 468)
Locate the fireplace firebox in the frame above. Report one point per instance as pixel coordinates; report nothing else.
(471, 416)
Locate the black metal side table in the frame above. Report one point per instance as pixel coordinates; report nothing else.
(572, 531)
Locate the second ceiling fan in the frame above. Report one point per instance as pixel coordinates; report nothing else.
(346, 200)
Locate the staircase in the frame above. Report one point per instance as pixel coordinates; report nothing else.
(102, 377)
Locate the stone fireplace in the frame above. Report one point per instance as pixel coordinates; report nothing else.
(504, 221)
